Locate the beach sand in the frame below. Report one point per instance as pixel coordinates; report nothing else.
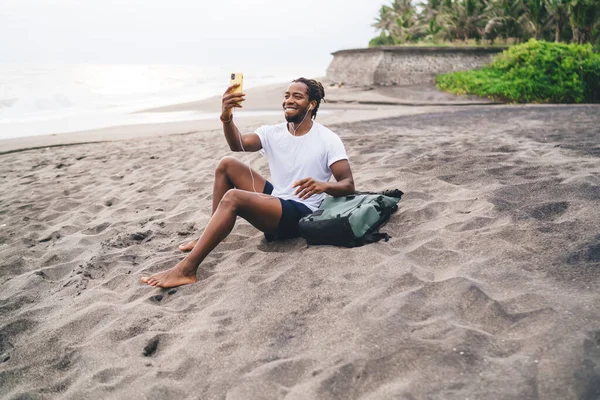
(488, 288)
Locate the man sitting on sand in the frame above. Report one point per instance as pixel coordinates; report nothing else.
(302, 154)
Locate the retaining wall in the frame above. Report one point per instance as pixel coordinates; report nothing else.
(397, 65)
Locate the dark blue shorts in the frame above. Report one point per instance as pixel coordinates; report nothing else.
(291, 212)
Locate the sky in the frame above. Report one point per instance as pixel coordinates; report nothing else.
(198, 32)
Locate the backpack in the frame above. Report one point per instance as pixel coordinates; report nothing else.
(350, 221)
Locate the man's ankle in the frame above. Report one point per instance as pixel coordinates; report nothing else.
(188, 267)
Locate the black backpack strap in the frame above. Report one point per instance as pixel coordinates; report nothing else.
(393, 193)
(373, 237)
(386, 213)
(390, 193)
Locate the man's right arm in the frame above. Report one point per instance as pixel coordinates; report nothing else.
(236, 140)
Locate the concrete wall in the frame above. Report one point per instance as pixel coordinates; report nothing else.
(396, 65)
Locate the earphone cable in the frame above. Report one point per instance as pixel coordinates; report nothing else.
(294, 129)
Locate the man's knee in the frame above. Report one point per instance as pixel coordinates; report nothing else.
(225, 164)
(231, 199)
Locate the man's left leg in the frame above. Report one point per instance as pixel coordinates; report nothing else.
(231, 173)
(262, 211)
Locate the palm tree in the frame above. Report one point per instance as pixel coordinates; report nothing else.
(537, 14)
(385, 21)
(557, 12)
(464, 19)
(508, 17)
(583, 15)
(406, 22)
(398, 20)
(428, 19)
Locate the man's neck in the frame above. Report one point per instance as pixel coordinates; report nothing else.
(300, 128)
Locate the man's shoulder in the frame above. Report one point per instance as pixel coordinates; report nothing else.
(272, 128)
(324, 131)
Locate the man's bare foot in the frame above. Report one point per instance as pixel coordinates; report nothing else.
(172, 277)
(189, 246)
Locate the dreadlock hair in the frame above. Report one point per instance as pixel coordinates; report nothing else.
(315, 92)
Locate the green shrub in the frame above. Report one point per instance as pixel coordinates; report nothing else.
(535, 71)
(382, 40)
(591, 79)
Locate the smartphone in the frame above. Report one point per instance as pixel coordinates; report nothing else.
(237, 77)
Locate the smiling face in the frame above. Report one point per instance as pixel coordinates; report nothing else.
(296, 102)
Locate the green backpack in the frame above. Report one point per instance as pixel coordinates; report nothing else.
(350, 221)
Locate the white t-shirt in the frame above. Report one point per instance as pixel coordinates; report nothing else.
(292, 158)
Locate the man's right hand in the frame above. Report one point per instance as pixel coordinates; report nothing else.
(231, 100)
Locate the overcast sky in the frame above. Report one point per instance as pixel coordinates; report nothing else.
(216, 32)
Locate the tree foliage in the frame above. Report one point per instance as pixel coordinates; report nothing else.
(511, 21)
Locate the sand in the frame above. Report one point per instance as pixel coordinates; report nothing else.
(487, 289)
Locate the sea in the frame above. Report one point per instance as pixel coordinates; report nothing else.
(52, 99)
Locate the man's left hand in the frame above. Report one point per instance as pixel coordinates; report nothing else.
(307, 187)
